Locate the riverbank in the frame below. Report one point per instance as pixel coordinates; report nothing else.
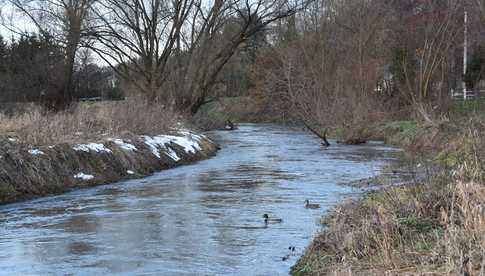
(33, 172)
(44, 153)
(433, 225)
(166, 222)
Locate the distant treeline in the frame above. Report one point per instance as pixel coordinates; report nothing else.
(30, 71)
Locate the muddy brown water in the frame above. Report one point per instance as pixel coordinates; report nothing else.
(200, 219)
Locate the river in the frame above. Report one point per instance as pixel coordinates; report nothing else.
(200, 219)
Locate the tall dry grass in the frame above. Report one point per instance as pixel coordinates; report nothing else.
(89, 122)
(434, 227)
(464, 240)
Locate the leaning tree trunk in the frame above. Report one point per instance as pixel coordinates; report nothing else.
(322, 136)
(197, 103)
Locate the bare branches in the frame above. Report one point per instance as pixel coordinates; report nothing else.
(139, 36)
(210, 51)
(63, 21)
(434, 36)
(152, 43)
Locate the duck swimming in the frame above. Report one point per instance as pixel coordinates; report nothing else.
(309, 205)
(292, 253)
(268, 220)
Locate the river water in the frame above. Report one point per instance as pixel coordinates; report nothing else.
(200, 219)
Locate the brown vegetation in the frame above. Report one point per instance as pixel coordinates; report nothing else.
(434, 226)
(348, 64)
(39, 155)
(25, 174)
(171, 51)
(340, 65)
(325, 70)
(89, 122)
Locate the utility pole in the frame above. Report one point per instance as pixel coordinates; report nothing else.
(465, 53)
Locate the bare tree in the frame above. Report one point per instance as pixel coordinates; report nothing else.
(208, 52)
(177, 45)
(326, 72)
(137, 38)
(65, 22)
(432, 34)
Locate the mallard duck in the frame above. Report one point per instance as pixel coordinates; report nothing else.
(230, 125)
(267, 219)
(309, 205)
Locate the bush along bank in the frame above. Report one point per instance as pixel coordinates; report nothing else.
(432, 226)
(27, 172)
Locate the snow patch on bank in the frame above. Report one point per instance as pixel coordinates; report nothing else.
(197, 137)
(130, 172)
(123, 145)
(91, 147)
(36, 152)
(83, 176)
(159, 142)
(189, 142)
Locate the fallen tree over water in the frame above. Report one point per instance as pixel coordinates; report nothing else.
(322, 136)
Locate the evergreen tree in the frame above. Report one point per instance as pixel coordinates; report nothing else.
(3, 54)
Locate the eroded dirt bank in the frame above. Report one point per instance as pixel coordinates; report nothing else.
(26, 173)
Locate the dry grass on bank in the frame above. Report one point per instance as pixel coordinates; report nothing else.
(88, 122)
(432, 228)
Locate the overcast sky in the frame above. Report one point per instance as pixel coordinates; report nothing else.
(21, 23)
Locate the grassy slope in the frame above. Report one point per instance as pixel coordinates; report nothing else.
(435, 226)
(24, 175)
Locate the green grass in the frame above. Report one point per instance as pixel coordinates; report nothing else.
(465, 108)
(401, 132)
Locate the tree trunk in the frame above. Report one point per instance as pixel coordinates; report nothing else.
(321, 136)
(67, 95)
(195, 106)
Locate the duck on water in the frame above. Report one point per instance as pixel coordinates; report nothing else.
(268, 220)
(309, 205)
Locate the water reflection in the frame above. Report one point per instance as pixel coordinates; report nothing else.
(201, 219)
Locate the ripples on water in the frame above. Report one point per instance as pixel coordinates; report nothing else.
(202, 219)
